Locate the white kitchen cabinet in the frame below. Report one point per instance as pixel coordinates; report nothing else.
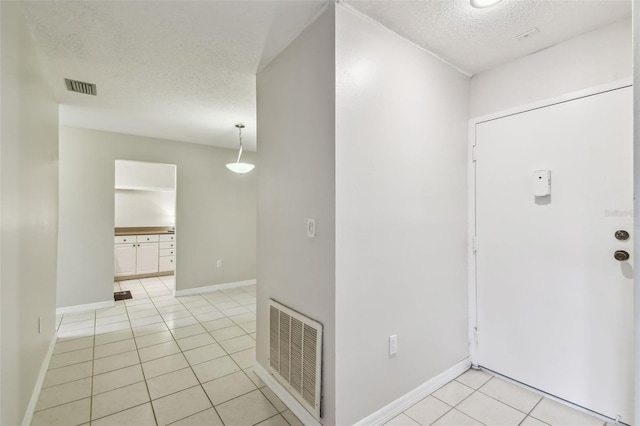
(147, 238)
(167, 245)
(167, 263)
(167, 253)
(147, 258)
(144, 255)
(124, 256)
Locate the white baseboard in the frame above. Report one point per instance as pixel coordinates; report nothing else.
(391, 410)
(209, 288)
(296, 408)
(84, 308)
(31, 408)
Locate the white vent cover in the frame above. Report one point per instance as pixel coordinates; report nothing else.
(81, 87)
(295, 352)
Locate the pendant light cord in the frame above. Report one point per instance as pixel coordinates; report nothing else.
(240, 137)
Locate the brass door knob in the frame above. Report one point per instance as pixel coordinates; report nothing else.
(621, 255)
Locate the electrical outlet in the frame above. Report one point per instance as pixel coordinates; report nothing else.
(393, 344)
(219, 264)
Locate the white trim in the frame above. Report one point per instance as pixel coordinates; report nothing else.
(296, 408)
(28, 415)
(84, 308)
(471, 262)
(391, 410)
(471, 182)
(209, 288)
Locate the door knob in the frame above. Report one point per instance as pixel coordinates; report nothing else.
(621, 235)
(621, 255)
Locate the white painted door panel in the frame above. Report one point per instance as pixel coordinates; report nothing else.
(554, 308)
(124, 256)
(147, 258)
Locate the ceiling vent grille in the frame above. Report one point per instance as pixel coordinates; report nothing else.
(81, 87)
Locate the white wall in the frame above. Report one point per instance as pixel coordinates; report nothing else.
(401, 222)
(29, 211)
(145, 176)
(215, 217)
(591, 59)
(144, 194)
(144, 208)
(296, 131)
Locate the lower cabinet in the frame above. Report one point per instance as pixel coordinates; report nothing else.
(143, 254)
(167, 253)
(167, 263)
(125, 259)
(147, 258)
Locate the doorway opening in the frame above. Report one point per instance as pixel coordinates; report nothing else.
(145, 237)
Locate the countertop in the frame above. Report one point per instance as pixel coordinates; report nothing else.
(148, 230)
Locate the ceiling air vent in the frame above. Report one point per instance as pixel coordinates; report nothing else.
(80, 87)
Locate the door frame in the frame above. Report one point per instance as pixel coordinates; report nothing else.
(471, 214)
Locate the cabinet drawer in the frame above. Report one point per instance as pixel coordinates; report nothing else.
(168, 237)
(147, 238)
(167, 252)
(167, 245)
(167, 263)
(124, 239)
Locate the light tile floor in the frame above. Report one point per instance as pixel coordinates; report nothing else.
(478, 398)
(157, 360)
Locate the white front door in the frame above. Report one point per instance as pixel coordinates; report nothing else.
(554, 307)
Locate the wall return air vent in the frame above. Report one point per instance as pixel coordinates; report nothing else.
(80, 87)
(295, 355)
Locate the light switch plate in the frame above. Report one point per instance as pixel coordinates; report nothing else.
(311, 228)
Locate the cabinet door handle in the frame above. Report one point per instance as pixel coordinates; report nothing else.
(134, 245)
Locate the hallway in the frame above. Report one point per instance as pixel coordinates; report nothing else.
(156, 359)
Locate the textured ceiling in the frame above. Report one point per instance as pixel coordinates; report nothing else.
(475, 40)
(180, 70)
(185, 70)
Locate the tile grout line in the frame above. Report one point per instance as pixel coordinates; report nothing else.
(452, 407)
(227, 354)
(534, 407)
(191, 367)
(144, 377)
(141, 369)
(223, 349)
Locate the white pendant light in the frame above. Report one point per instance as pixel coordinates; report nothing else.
(239, 167)
(483, 4)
